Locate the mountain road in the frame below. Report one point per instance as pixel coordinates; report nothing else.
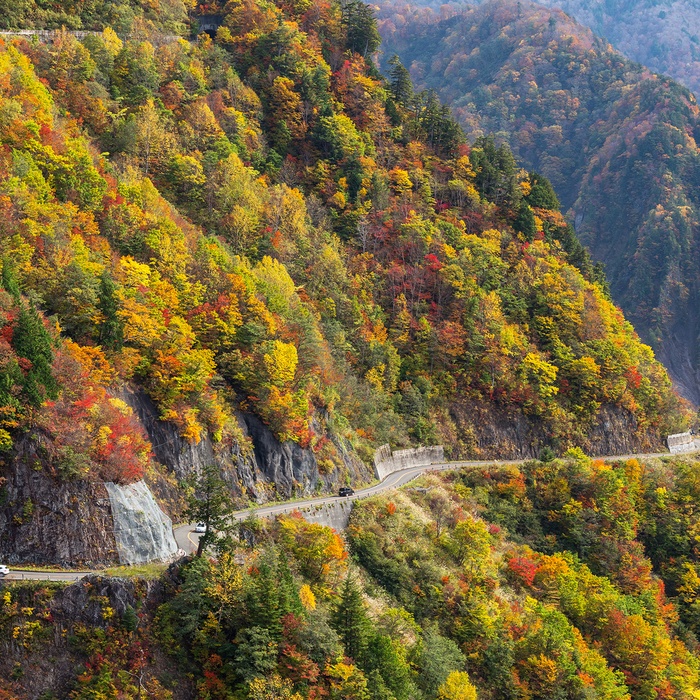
(187, 539)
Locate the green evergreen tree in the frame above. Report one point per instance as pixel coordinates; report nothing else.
(289, 601)
(351, 622)
(9, 280)
(361, 27)
(542, 194)
(384, 658)
(209, 502)
(400, 84)
(263, 598)
(31, 341)
(496, 173)
(111, 329)
(130, 620)
(525, 221)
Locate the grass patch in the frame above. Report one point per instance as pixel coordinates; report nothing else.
(151, 571)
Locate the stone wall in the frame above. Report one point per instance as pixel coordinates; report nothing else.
(335, 515)
(683, 443)
(387, 462)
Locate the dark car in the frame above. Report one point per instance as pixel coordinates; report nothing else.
(345, 491)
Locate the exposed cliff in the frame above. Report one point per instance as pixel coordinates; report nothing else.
(91, 610)
(255, 464)
(44, 519)
(483, 432)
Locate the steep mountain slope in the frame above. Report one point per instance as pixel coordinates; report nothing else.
(170, 16)
(567, 579)
(249, 251)
(662, 36)
(618, 143)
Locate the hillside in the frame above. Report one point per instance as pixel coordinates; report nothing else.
(663, 37)
(617, 142)
(256, 252)
(670, 31)
(569, 579)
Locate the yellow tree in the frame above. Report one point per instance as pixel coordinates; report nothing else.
(457, 686)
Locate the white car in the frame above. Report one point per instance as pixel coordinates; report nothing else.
(200, 527)
(4, 570)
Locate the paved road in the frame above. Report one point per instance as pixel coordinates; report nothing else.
(70, 576)
(187, 539)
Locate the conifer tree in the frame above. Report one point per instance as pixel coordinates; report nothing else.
(400, 84)
(263, 599)
(32, 342)
(361, 26)
(525, 222)
(9, 280)
(111, 329)
(209, 503)
(351, 622)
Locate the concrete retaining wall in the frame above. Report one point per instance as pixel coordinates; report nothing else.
(683, 442)
(335, 515)
(387, 462)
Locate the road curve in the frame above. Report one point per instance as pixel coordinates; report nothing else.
(187, 539)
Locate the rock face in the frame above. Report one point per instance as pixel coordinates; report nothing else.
(257, 468)
(49, 668)
(46, 520)
(84, 602)
(494, 434)
(143, 532)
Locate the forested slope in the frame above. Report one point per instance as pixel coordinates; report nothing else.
(564, 579)
(618, 143)
(261, 223)
(662, 36)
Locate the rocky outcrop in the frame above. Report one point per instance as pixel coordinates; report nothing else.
(85, 602)
(295, 471)
(481, 431)
(256, 465)
(44, 519)
(79, 613)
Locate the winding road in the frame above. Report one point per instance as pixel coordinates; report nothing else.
(187, 539)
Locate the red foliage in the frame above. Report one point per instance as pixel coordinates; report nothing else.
(524, 569)
(297, 666)
(634, 378)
